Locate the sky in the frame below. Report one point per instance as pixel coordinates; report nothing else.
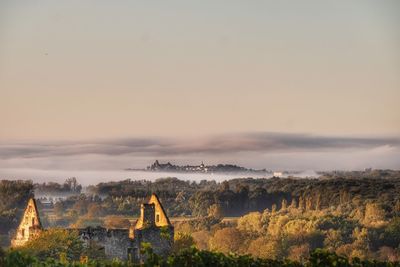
(319, 80)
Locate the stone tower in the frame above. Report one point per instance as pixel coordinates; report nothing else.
(152, 213)
(30, 225)
(153, 227)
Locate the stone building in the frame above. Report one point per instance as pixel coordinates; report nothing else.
(152, 227)
(30, 225)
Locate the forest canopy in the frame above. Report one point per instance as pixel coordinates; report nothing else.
(353, 214)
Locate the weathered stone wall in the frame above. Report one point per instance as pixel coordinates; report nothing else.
(160, 238)
(115, 242)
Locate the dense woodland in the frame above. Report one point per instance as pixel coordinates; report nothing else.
(352, 214)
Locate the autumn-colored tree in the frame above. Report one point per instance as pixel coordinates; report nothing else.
(345, 250)
(293, 205)
(388, 254)
(298, 227)
(360, 244)
(184, 227)
(301, 203)
(53, 243)
(251, 222)
(299, 253)
(284, 204)
(182, 241)
(227, 240)
(333, 240)
(308, 201)
(201, 239)
(344, 196)
(374, 215)
(318, 201)
(276, 224)
(266, 248)
(215, 211)
(273, 208)
(301, 231)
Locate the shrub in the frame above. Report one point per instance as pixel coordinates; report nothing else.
(54, 242)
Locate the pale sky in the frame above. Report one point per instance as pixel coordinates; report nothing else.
(95, 70)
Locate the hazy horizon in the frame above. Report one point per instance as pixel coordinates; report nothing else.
(273, 151)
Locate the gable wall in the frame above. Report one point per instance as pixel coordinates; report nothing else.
(159, 211)
(29, 227)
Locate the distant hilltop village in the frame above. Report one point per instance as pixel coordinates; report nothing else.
(210, 169)
(202, 168)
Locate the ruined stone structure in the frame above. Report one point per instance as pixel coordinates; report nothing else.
(30, 225)
(153, 227)
(114, 242)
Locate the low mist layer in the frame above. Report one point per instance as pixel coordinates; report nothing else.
(94, 161)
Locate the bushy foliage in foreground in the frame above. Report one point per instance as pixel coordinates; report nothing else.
(53, 243)
(194, 258)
